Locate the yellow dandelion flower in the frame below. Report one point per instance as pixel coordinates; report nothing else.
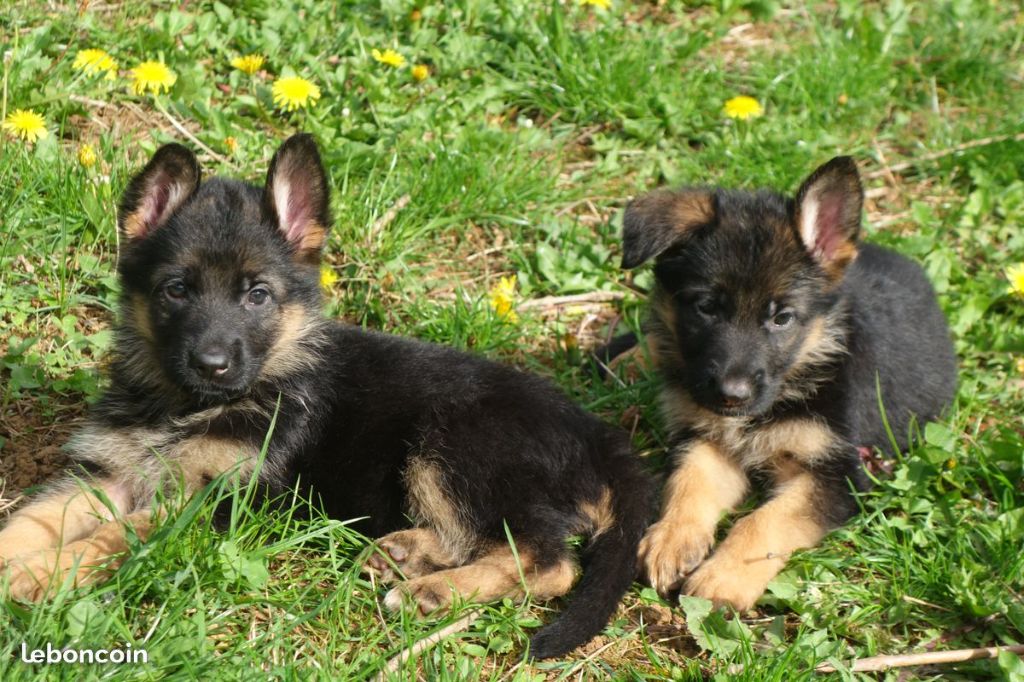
(421, 72)
(1015, 273)
(600, 4)
(94, 61)
(415, 15)
(250, 63)
(231, 143)
(743, 107)
(327, 277)
(389, 57)
(502, 297)
(292, 92)
(1019, 365)
(87, 156)
(152, 76)
(26, 124)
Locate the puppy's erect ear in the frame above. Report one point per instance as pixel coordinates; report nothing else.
(296, 195)
(170, 177)
(661, 219)
(828, 208)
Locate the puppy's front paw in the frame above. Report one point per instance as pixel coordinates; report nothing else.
(670, 551)
(413, 553)
(430, 594)
(37, 576)
(730, 580)
(30, 578)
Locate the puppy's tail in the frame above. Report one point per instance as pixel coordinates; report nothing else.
(601, 357)
(609, 563)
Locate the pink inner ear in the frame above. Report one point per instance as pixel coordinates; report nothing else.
(155, 205)
(296, 217)
(828, 235)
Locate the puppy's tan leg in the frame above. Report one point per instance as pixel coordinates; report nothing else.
(91, 559)
(67, 513)
(705, 484)
(758, 546)
(414, 552)
(493, 576)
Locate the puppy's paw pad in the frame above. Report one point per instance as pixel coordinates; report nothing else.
(725, 585)
(407, 553)
(429, 595)
(670, 552)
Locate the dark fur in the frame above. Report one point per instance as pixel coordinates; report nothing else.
(755, 325)
(199, 355)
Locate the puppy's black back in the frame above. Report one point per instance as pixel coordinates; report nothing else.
(898, 344)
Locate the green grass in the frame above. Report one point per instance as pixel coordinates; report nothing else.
(537, 122)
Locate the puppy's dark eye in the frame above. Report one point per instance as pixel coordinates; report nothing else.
(707, 306)
(783, 319)
(175, 290)
(257, 296)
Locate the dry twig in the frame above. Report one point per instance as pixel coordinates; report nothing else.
(389, 216)
(422, 645)
(575, 299)
(887, 171)
(880, 663)
(195, 140)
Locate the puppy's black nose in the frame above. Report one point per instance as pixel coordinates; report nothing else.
(211, 362)
(736, 390)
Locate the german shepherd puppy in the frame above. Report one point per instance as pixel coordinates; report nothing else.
(220, 331)
(776, 335)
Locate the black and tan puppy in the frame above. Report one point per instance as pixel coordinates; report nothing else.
(220, 328)
(776, 335)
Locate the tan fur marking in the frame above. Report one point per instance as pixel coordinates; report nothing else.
(664, 340)
(431, 506)
(200, 459)
(823, 342)
(413, 552)
(751, 445)
(134, 225)
(151, 458)
(706, 484)
(140, 317)
(692, 208)
(493, 576)
(288, 353)
(66, 514)
(844, 254)
(71, 529)
(758, 546)
(313, 238)
(92, 559)
(599, 513)
(807, 440)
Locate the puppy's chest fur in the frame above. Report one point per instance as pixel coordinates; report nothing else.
(186, 452)
(774, 443)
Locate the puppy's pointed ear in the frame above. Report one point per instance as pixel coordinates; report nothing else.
(661, 219)
(828, 208)
(152, 197)
(297, 196)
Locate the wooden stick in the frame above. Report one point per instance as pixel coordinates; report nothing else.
(388, 217)
(193, 139)
(904, 165)
(880, 663)
(430, 640)
(555, 301)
